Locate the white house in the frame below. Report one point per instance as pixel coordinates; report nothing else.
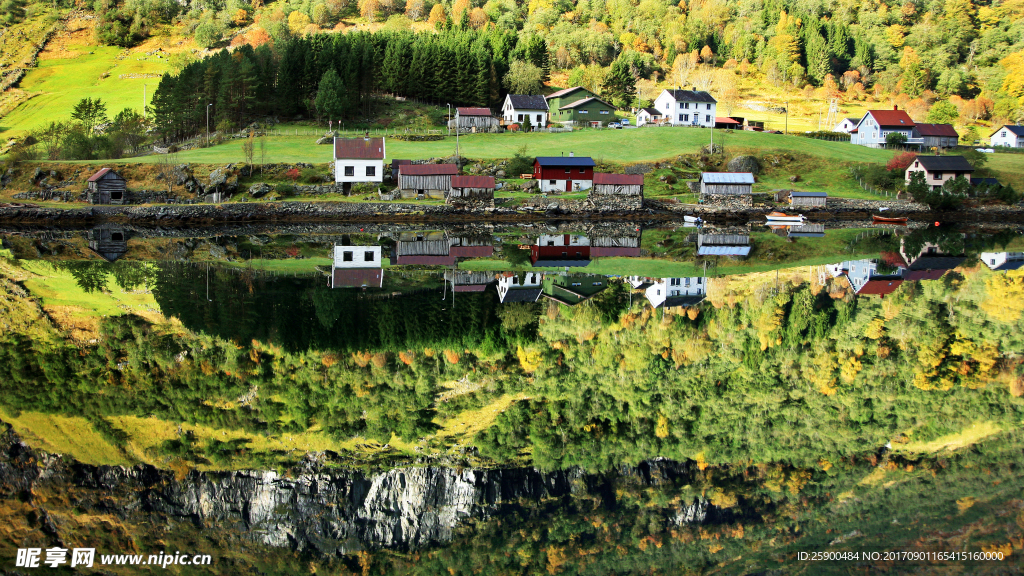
(671, 292)
(358, 160)
(876, 125)
(1009, 136)
(846, 125)
(648, 116)
(520, 107)
(687, 107)
(520, 287)
(1000, 261)
(357, 267)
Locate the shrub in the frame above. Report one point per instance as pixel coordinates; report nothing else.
(285, 189)
(311, 176)
(900, 161)
(292, 174)
(896, 139)
(519, 164)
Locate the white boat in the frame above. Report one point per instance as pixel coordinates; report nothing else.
(780, 218)
(692, 219)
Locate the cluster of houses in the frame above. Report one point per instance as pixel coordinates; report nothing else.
(875, 127)
(867, 278)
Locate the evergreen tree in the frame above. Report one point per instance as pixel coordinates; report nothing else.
(330, 101)
(620, 84)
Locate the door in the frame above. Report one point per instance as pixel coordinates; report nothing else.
(568, 185)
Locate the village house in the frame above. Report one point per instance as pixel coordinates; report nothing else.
(930, 262)
(936, 135)
(687, 107)
(357, 267)
(648, 116)
(727, 123)
(107, 187)
(564, 173)
(438, 248)
(471, 190)
(358, 160)
(806, 231)
(592, 112)
(798, 198)
(939, 169)
(1002, 261)
(571, 289)
(846, 125)
(421, 181)
(858, 273)
(560, 251)
(1008, 136)
(672, 292)
(518, 108)
(615, 246)
(473, 120)
(876, 125)
(727, 187)
(110, 241)
(520, 287)
(559, 110)
(732, 245)
(468, 280)
(622, 187)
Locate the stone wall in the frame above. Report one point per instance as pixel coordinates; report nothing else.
(728, 201)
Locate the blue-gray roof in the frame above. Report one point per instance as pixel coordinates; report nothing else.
(727, 177)
(565, 161)
(809, 194)
(1018, 130)
(691, 96)
(1011, 265)
(723, 251)
(528, 102)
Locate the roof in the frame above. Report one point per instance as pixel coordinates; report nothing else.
(561, 93)
(723, 251)
(945, 163)
(727, 177)
(565, 161)
(560, 263)
(609, 251)
(726, 120)
(919, 275)
(473, 111)
(619, 179)
(880, 287)
(469, 287)
(691, 96)
(1010, 265)
(852, 120)
(984, 182)
(892, 118)
(936, 263)
(797, 194)
(472, 181)
(358, 277)
(362, 148)
(682, 301)
(579, 103)
(528, 102)
(1018, 130)
(522, 295)
(651, 111)
(428, 169)
(103, 172)
(937, 130)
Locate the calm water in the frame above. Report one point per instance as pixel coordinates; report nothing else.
(607, 398)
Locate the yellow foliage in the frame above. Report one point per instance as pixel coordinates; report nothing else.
(825, 464)
(329, 360)
(715, 547)
(451, 356)
(849, 367)
(722, 499)
(297, 22)
(875, 329)
(407, 358)
(701, 462)
(429, 352)
(362, 359)
(1005, 301)
(530, 359)
(964, 503)
(661, 430)
(890, 309)
(1006, 549)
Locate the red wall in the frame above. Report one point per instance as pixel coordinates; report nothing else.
(558, 172)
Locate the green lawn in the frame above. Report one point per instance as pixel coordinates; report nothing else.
(51, 80)
(292, 265)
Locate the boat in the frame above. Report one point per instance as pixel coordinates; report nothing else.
(777, 218)
(886, 220)
(692, 219)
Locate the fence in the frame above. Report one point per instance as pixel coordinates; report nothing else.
(879, 192)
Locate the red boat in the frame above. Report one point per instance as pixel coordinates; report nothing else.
(885, 220)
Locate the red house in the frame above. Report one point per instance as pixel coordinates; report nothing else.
(560, 250)
(564, 173)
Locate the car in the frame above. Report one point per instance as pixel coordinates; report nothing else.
(614, 125)
(624, 122)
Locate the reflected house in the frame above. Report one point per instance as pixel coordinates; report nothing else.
(468, 280)
(438, 248)
(615, 246)
(357, 267)
(733, 245)
(109, 241)
(560, 250)
(520, 287)
(571, 289)
(107, 187)
(864, 278)
(807, 231)
(930, 263)
(1002, 261)
(672, 292)
(420, 181)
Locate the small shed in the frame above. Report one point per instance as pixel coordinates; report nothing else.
(727, 188)
(426, 180)
(727, 122)
(109, 241)
(808, 198)
(474, 120)
(471, 190)
(618, 188)
(733, 245)
(107, 187)
(648, 116)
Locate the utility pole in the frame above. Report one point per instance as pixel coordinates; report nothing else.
(208, 123)
(143, 101)
(449, 123)
(787, 116)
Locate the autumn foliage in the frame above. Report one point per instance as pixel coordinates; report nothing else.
(900, 161)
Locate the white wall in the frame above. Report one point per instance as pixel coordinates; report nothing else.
(666, 288)
(559, 240)
(358, 170)
(996, 259)
(559, 185)
(506, 283)
(358, 256)
(692, 113)
(1006, 138)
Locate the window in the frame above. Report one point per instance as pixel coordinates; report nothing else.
(117, 195)
(686, 106)
(520, 117)
(597, 283)
(577, 284)
(371, 171)
(709, 106)
(368, 256)
(116, 236)
(707, 118)
(680, 117)
(604, 111)
(674, 282)
(686, 117)
(540, 118)
(552, 182)
(567, 170)
(350, 170)
(346, 256)
(584, 112)
(582, 170)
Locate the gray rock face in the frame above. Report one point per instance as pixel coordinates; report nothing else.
(218, 177)
(744, 164)
(259, 189)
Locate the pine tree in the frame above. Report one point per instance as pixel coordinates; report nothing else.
(619, 83)
(330, 101)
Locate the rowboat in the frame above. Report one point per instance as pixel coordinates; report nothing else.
(781, 218)
(884, 220)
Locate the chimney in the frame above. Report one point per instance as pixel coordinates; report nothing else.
(366, 136)
(895, 106)
(572, 154)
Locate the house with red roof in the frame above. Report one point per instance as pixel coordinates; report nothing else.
(107, 187)
(877, 125)
(466, 190)
(357, 267)
(473, 120)
(426, 180)
(358, 160)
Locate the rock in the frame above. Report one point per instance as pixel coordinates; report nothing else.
(260, 190)
(37, 174)
(182, 174)
(499, 174)
(744, 164)
(694, 186)
(794, 178)
(529, 185)
(217, 251)
(325, 140)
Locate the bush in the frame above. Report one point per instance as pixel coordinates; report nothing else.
(950, 196)
(519, 164)
(896, 139)
(209, 33)
(900, 161)
(285, 189)
(311, 176)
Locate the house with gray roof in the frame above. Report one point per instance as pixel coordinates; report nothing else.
(1008, 136)
(687, 108)
(939, 169)
(520, 107)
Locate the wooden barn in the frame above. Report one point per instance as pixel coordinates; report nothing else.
(471, 190)
(631, 185)
(421, 181)
(474, 120)
(732, 245)
(109, 241)
(726, 183)
(107, 187)
(796, 198)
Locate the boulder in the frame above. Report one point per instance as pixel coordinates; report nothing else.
(794, 178)
(218, 177)
(744, 164)
(260, 190)
(499, 174)
(529, 185)
(182, 174)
